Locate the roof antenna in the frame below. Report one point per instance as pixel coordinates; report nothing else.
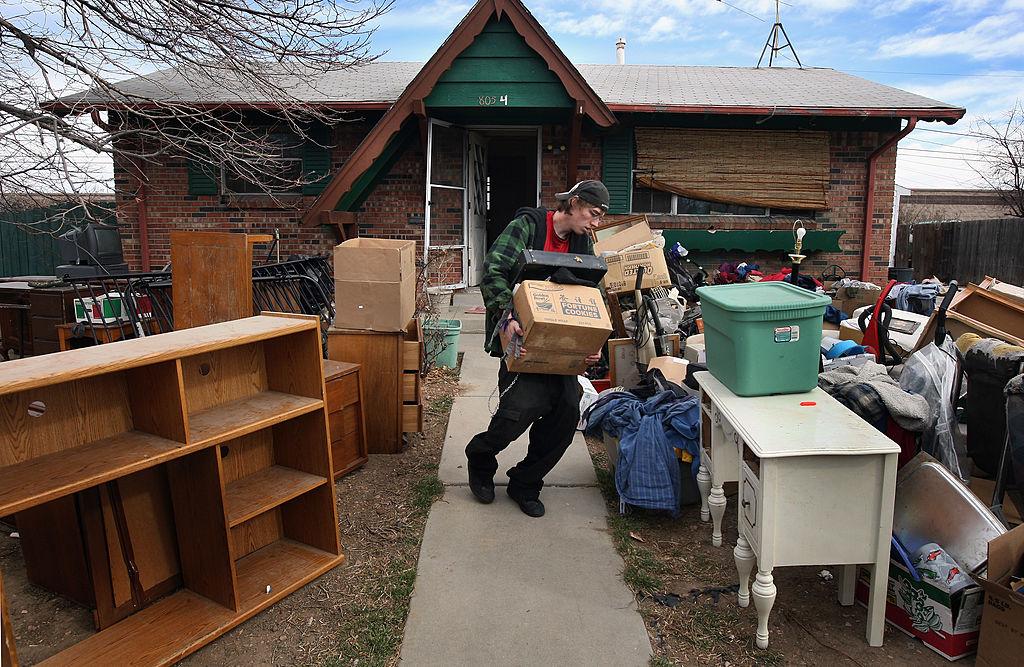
(773, 41)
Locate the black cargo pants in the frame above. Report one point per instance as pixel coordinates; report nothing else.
(549, 405)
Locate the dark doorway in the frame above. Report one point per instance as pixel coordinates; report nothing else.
(512, 175)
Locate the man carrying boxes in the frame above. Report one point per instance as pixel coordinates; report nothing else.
(546, 402)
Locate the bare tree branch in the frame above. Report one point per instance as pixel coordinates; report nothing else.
(214, 82)
(1004, 142)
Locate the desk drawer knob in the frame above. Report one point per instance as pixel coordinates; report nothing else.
(746, 503)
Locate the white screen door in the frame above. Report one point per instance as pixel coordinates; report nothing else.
(445, 210)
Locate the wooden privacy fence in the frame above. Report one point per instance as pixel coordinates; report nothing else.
(28, 237)
(965, 251)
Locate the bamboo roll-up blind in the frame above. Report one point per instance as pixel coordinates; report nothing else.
(750, 167)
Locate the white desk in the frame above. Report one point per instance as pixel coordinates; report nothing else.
(816, 486)
(719, 464)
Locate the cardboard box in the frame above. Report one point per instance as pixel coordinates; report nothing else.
(563, 324)
(849, 299)
(374, 284)
(623, 267)
(638, 232)
(1002, 623)
(673, 368)
(694, 351)
(947, 624)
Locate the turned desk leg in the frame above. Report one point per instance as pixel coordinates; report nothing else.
(847, 583)
(704, 485)
(744, 557)
(763, 591)
(716, 501)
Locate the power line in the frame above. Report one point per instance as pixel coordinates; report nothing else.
(742, 10)
(975, 135)
(953, 152)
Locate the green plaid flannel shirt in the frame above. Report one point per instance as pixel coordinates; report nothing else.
(496, 286)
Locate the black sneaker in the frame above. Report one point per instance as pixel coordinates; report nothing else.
(530, 506)
(482, 488)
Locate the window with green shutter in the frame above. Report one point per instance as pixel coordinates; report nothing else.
(316, 160)
(203, 179)
(617, 169)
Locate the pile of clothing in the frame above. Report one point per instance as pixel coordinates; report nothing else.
(649, 431)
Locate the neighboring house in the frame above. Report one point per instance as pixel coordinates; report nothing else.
(444, 152)
(935, 205)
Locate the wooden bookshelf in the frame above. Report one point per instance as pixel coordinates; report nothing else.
(234, 415)
(245, 415)
(262, 491)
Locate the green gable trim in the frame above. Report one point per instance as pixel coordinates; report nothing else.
(752, 240)
(369, 179)
(499, 70)
(617, 169)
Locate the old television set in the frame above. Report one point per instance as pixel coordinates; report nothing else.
(92, 249)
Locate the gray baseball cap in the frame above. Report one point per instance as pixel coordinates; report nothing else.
(592, 192)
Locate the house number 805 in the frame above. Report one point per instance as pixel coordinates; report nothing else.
(491, 100)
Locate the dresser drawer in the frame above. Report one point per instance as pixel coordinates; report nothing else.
(344, 421)
(411, 355)
(342, 391)
(412, 418)
(750, 504)
(346, 450)
(410, 387)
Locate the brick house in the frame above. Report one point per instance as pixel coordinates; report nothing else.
(444, 152)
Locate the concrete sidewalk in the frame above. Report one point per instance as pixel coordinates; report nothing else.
(494, 586)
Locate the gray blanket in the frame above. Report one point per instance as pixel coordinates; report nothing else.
(909, 410)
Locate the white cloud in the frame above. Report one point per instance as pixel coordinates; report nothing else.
(437, 14)
(993, 37)
(988, 93)
(663, 27)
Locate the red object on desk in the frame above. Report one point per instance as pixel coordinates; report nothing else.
(602, 384)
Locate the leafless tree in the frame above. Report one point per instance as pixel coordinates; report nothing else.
(1003, 143)
(221, 78)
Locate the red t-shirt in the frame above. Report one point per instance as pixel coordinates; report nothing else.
(551, 241)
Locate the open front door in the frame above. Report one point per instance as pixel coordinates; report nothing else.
(477, 209)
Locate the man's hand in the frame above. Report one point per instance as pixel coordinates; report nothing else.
(593, 359)
(510, 329)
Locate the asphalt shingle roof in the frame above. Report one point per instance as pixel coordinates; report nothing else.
(640, 85)
(745, 87)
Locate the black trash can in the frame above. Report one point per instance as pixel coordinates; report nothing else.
(901, 274)
(990, 364)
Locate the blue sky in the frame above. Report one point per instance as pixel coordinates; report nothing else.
(964, 52)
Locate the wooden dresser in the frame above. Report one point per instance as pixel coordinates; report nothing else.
(345, 415)
(33, 330)
(390, 365)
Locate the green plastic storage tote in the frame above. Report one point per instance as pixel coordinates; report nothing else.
(763, 338)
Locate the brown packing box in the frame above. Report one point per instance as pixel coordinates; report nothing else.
(1002, 621)
(849, 299)
(623, 267)
(638, 232)
(374, 284)
(673, 368)
(563, 325)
